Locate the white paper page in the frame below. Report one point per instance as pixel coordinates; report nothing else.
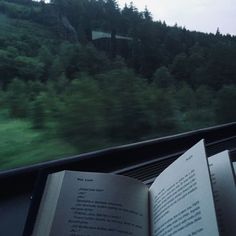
(48, 204)
(181, 200)
(224, 191)
(96, 204)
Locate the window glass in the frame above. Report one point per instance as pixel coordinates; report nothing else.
(82, 75)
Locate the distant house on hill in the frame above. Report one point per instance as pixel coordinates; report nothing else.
(111, 42)
(102, 35)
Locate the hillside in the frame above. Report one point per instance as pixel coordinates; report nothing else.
(33, 26)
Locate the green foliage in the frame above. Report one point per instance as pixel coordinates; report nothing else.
(92, 61)
(17, 99)
(45, 57)
(161, 113)
(38, 111)
(14, 10)
(125, 110)
(179, 67)
(57, 68)
(28, 68)
(134, 110)
(162, 78)
(34, 88)
(195, 108)
(82, 119)
(226, 102)
(6, 62)
(221, 67)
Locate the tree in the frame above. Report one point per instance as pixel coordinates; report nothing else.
(91, 60)
(226, 103)
(82, 117)
(179, 67)
(134, 110)
(37, 110)
(185, 98)
(7, 68)
(218, 32)
(147, 14)
(162, 78)
(45, 57)
(34, 88)
(123, 105)
(17, 98)
(29, 68)
(57, 68)
(131, 19)
(221, 65)
(112, 15)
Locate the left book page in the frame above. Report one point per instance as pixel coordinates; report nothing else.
(88, 204)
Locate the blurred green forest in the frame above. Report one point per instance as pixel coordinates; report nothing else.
(64, 90)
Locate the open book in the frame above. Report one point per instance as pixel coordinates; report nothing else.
(179, 202)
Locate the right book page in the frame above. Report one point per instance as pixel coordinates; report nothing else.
(181, 198)
(224, 190)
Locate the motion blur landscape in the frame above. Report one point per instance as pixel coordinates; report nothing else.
(82, 75)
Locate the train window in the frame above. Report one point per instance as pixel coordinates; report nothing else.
(82, 75)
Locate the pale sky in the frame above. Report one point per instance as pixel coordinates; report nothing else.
(199, 15)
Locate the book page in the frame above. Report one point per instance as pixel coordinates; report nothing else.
(48, 204)
(99, 204)
(224, 191)
(181, 200)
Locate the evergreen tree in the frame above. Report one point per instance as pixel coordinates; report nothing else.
(225, 106)
(37, 110)
(162, 78)
(17, 98)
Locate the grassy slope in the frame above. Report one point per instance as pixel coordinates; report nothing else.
(20, 145)
(13, 28)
